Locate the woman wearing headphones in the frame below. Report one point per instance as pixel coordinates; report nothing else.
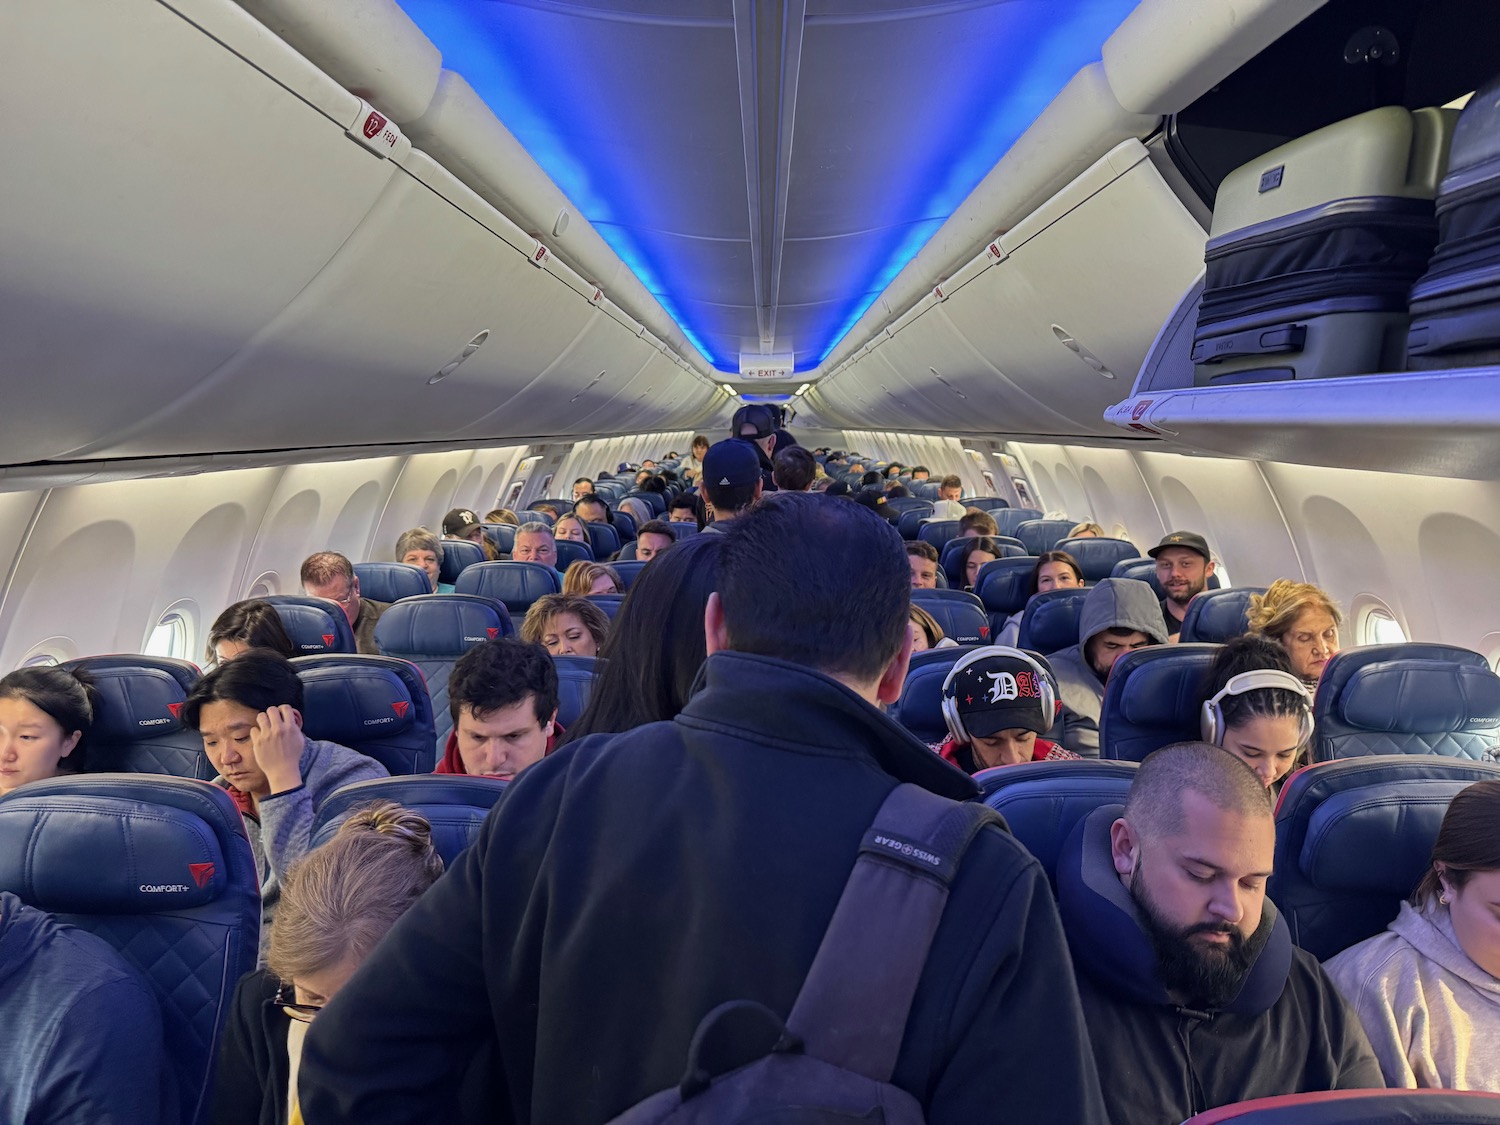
(996, 702)
(1257, 708)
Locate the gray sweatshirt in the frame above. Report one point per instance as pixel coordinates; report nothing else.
(1432, 1015)
(1114, 603)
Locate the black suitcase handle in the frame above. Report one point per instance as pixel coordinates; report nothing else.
(1276, 340)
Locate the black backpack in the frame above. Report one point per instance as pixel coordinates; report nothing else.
(832, 1060)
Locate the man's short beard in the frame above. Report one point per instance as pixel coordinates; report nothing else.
(1204, 977)
(1192, 593)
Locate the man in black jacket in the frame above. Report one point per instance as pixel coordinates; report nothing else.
(630, 883)
(1194, 993)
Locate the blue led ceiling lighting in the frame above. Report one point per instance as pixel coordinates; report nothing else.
(767, 190)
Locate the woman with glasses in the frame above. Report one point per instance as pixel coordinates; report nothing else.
(338, 902)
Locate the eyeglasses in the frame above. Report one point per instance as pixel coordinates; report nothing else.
(286, 998)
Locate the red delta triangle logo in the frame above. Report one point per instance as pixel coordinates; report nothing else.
(401, 707)
(495, 632)
(202, 873)
(984, 632)
(373, 124)
(176, 709)
(328, 639)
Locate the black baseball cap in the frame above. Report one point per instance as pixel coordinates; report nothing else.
(761, 417)
(999, 691)
(731, 464)
(460, 522)
(1188, 539)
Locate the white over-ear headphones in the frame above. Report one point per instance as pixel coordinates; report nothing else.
(1050, 704)
(1212, 719)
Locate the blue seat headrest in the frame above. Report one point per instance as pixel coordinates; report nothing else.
(1141, 570)
(920, 709)
(138, 696)
(1219, 615)
(569, 552)
(440, 625)
(1153, 698)
(1042, 802)
(455, 805)
(350, 704)
(1042, 535)
(609, 603)
(628, 570)
(575, 684)
(314, 624)
(958, 613)
(1396, 820)
(1098, 557)
(458, 556)
(1005, 584)
(1421, 697)
(938, 532)
(605, 538)
(1008, 519)
(502, 535)
(517, 584)
(391, 581)
(1050, 622)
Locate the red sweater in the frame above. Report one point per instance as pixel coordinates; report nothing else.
(453, 763)
(961, 754)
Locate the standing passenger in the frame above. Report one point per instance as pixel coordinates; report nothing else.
(732, 481)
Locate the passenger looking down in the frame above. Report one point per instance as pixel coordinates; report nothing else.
(973, 555)
(1183, 567)
(570, 527)
(1118, 615)
(420, 547)
(249, 712)
(535, 543)
(745, 815)
(1427, 990)
(1054, 570)
(996, 701)
(925, 632)
(585, 578)
(653, 538)
(977, 522)
(339, 901)
(1086, 530)
(83, 1031)
(947, 506)
(328, 574)
(1194, 994)
(922, 557)
(566, 625)
(1255, 708)
(1302, 619)
(656, 643)
(686, 508)
(502, 695)
(251, 624)
(582, 487)
(733, 480)
(755, 425)
(45, 717)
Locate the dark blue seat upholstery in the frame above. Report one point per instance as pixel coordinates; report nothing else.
(569, 552)
(1142, 570)
(136, 725)
(683, 529)
(949, 552)
(605, 538)
(985, 503)
(1153, 698)
(432, 633)
(938, 532)
(390, 581)
(376, 705)
(517, 584)
(609, 603)
(1005, 584)
(1360, 1107)
(1219, 615)
(911, 519)
(1050, 623)
(502, 535)
(958, 613)
(454, 804)
(1097, 558)
(1042, 535)
(575, 684)
(552, 501)
(628, 570)
(627, 554)
(1354, 837)
(314, 624)
(624, 524)
(1008, 519)
(1043, 801)
(458, 556)
(1409, 698)
(902, 504)
(85, 848)
(920, 708)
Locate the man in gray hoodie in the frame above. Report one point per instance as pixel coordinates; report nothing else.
(1119, 614)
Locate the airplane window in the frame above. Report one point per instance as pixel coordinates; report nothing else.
(264, 586)
(1378, 626)
(170, 637)
(41, 660)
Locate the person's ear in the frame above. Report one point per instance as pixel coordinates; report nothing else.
(70, 744)
(894, 677)
(1124, 847)
(297, 717)
(1208, 569)
(715, 634)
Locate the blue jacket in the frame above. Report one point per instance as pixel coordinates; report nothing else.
(82, 1031)
(630, 883)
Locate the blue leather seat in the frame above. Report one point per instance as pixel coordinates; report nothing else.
(948, 556)
(1008, 519)
(376, 705)
(454, 804)
(628, 570)
(624, 524)
(910, 523)
(314, 624)
(517, 584)
(903, 504)
(938, 532)
(575, 684)
(1360, 1107)
(458, 556)
(985, 503)
(958, 613)
(1003, 587)
(605, 538)
(84, 848)
(627, 554)
(569, 552)
(555, 501)
(683, 530)
(136, 725)
(1043, 801)
(531, 515)
(920, 708)
(1142, 570)
(432, 633)
(1153, 698)
(1050, 622)
(1353, 838)
(609, 603)
(390, 581)
(1219, 615)
(1097, 558)
(1042, 535)
(1409, 698)
(502, 535)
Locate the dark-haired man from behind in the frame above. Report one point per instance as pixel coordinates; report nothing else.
(745, 813)
(503, 698)
(795, 469)
(1194, 993)
(732, 482)
(755, 424)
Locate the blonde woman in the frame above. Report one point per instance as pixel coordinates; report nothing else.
(1302, 619)
(585, 578)
(566, 625)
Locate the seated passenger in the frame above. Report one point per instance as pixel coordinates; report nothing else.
(1086, 530)
(1193, 993)
(922, 557)
(687, 508)
(637, 509)
(652, 539)
(83, 1031)
(972, 556)
(1428, 989)
(996, 701)
(976, 521)
(1183, 567)
(501, 515)
(328, 574)
(794, 469)
(1054, 570)
(535, 543)
(251, 624)
(732, 480)
(570, 527)
(249, 713)
(339, 900)
(1119, 614)
(584, 578)
(461, 523)
(592, 509)
(947, 506)
(502, 695)
(741, 817)
(45, 717)
(1303, 620)
(582, 487)
(925, 632)
(551, 509)
(566, 625)
(1254, 707)
(420, 547)
(921, 472)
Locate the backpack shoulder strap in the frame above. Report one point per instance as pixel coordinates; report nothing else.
(854, 1004)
